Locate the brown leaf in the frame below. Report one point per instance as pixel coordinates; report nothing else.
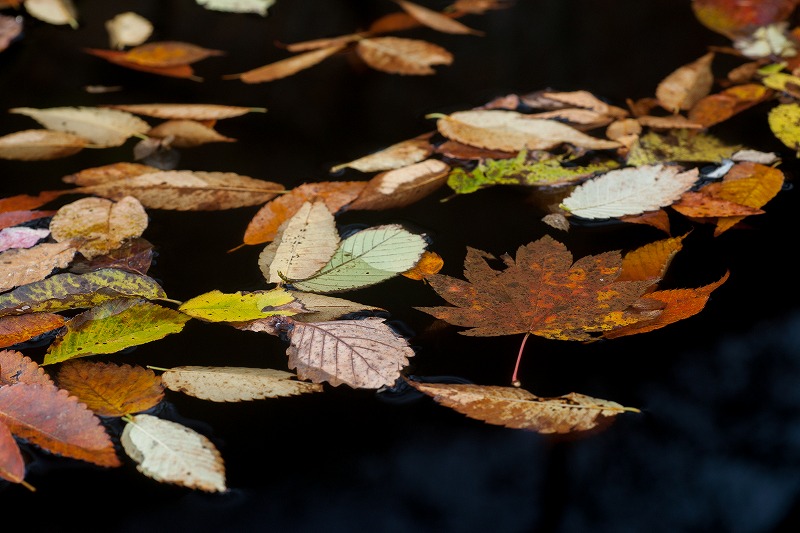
(686, 85)
(435, 20)
(108, 173)
(457, 150)
(12, 465)
(18, 368)
(118, 58)
(287, 67)
(17, 329)
(397, 55)
(582, 119)
(264, 225)
(53, 420)
(165, 54)
(21, 266)
(586, 100)
(517, 408)
(187, 133)
(393, 22)
(667, 123)
(40, 145)
(719, 107)
(402, 186)
(397, 155)
(187, 111)
(703, 203)
(135, 255)
(109, 389)
(658, 219)
(327, 42)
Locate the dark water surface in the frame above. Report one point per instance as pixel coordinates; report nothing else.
(717, 445)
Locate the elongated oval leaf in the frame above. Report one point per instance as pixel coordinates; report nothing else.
(187, 111)
(21, 266)
(113, 326)
(216, 306)
(366, 258)
(102, 127)
(39, 145)
(287, 67)
(397, 55)
(234, 384)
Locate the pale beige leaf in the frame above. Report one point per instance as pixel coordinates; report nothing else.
(435, 20)
(629, 191)
(187, 111)
(304, 245)
(397, 55)
(622, 129)
(39, 145)
(106, 173)
(325, 42)
(557, 221)
(586, 100)
(670, 122)
(98, 225)
(234, 384)
(510, 131)
(581, 118)
(397, 155)
(58, 12)
(365, 354)
(287, 67)
(682, 88)
(173, 453)
(100, 126)
(187, 133)
(128, 29)
(517, 408)
(402, 186)
(754, 156)
(323, 308)
(184, 190)
(21, 266)
(259, 7)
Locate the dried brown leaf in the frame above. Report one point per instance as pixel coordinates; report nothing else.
(287, 67)
(40, 145)
(397, 55)
(402, 186)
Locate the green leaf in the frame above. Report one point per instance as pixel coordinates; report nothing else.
(366, 258)
(73, 291)
(216, 306)
(518, 171)
(680, 145)
(113, 326)
(784, 121)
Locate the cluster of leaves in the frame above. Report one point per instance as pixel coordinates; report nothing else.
(76, 276)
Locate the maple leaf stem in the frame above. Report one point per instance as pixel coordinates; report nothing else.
(514, 380)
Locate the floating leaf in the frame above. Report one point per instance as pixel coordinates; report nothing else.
(72, 291)
(435, 20)
(784, 121)
(402, 186)
(58, 12)
(735, 18)
(18, 368)
(163, 54)
(107, 173)
(40, 145)
(586, 100)
(686, 85)
(10, 30)
(397, 55)
(187, 111)
(719, 107)
(21, 266)
(17, 329)
(98, 225)
(100, 126)
(234, 384)
(21, 237)
(12, 218)
(517, 408)
(366, 258)
(128, 29)
(118, 58)
(679, 146)
(12, 465)
(113, 326)
(216, 306)
(187, 133)
(287, 67)
(651, 260)
(134, 256)
(109, 389)
(395, 156)
(259, 7)
(173, 453)
(430, 263)
(629, 191)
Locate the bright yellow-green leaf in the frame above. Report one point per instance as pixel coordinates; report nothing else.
(216, 306)
(680, 145)
(113, 326)
(74, 291)
(784, 121)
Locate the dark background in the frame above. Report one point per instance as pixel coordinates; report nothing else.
(717, 445)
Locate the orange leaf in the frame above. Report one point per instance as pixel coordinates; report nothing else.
(168, 54)
(703, 203)
(680, 304)
(13, 218)
(687, 84)
(18, 368)
(397, 55)
(118, 58)
(109, 389)
(336, 194)
(429, 264)
(435, 20)
(737, 18)
(53, 420)
(287, 67)
(750, 184)
(20, 328)
(12, 465)
(719, 107)
(651, 260)
(24, 202)
(658, 219)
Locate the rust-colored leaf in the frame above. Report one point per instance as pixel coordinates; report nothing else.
(12, 465)
(287, 67)
(18, 368)
(517, 408)
(264, 225)
(435, 20)
(24, 202)
(168, 54)
(109, 389)
(402, 186)
(397, 55)
(651, 260)
(704, 203)
(14, 218)
(678, 304)
(118, 58)
(17, 329)
(658, 219)
(135, 255)
(429, 264)
(21, 266)
(721, 106)
(53, 420)
(457, 150)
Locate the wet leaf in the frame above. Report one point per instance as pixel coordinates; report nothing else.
(435, 20)
(55, 421)
(12, 465)
(100, 126)
(187, 133)
(12, 218)
(586, 100)
(287, 67)
(97, 225)
(107, 173)
(187, 111)
(57, 12)
(109, 389)
(184, 190)
(668, 123)
(21, 266)
(366, 258)
(135, 256)
(784, 121)
(679, 146)
(114, 326)
(650, 260)
(259, 7)
(263, 227)
(430, 263)
(18, 329)
(216, 306)
(403, 186)
(21, 237)
(234, 384)
(735, 18)
(510, 131)
(40, 145)
(517, 408)
(657, 219)
(629, 191)
(167, 54)
(10, 30)
(323, 308)
(128, 29)
(719, 107)
(169, 452)
(24, 201)
(542, 292)
(18, 368)
(397, 55)
(118, 58)
(395, 156)
(686, 85)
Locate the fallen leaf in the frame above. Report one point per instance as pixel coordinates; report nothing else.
(325, 42)
(719, 107)
(135, 256)
(187, 133)
(169, 452)
(668, 123)
(403, 186)
(650, 260)
(435, 20)
(749, 184)
(128, 29)
(10, 30)
(13, 218)
(57, 12)
(430, 263)
(25, 201)
(324, 308)
(287, 67)
(259, 7)
(738, 18)
(395, 156)
(657, 219)
(107, 173)
(21, 266)
(784, 121)
(12, 465)
(21, 237)
(18, 368)
(18, 329)
(216, 306)
(397, 55)
(187, 111)
(686, 85)
(586, 100)
(118, 58)
(40, 145)
(234, 384)
(679, 146)
(167, 54)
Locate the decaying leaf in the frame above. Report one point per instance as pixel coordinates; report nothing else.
(107, 173)
(187, 133)
(25, 201)
(12, 218)
(109, 389)
(679, 146)
(784, 121)
(738, 18)
(97, 225)
(40, 145)
(435, 20)
(128, 29)
(287, 67)
(135, 256)
(402, 186)
(187, 111)
(216, 306)
(629, 191)
(517, 408)
(21, 266)
(650, 260)
(395, 156)
(234, 384)
(18, 368)
(686, 85)
(397, 55)
(586, 100)
(721, 106)
(173, 453)
(323, 308)
(58, 12)
(18, 329)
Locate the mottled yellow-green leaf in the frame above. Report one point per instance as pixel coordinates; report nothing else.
(73, 291)
(112, 327)
(679, 145)
(784, 121)
(216, 306)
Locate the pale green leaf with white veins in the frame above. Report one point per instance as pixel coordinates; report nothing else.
(100, 126)
(366, 258)
(629, 191)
